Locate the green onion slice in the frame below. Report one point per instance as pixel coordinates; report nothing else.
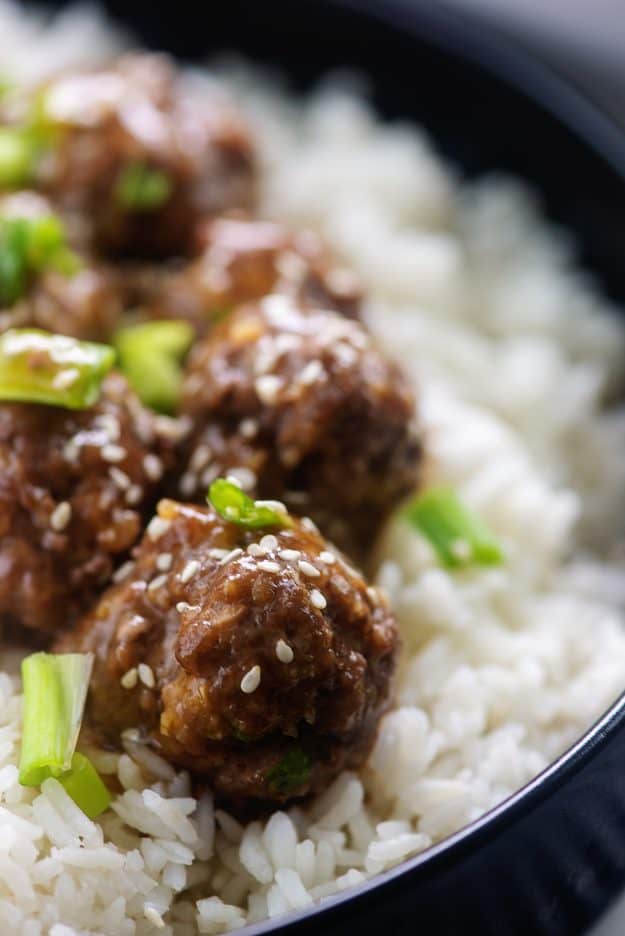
(29, 246)
(39, 367)
(83, 783)
(234, 505)
(142, 188)
(55, 690)
(150, 355)
(291, 773)
(19, 154)
(459, 537)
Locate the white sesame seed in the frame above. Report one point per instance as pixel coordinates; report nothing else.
(123, 571)
(134, 494)
(245, 477)
(218, 553)
(65, 378)
(251, 680)
(307, 568)
(129, 679)
(248, 428)
(233, 554)
(153, 467)
(157, 582)
(153, 916)
(60, 516)
(110, 425)
(289, 555)
(255, 549)
(267, 565)
(164, 561)
(233, 479)
(146, 675)
(313, 372)
(182, 606)
(113, 453)
(374, 594)
(309, 525)
(318, 600)
(188, 483)
(189, 571)
(268, 387)
(268, 543)
(119, 478)
(71, 450)
(284, 652)
(275, 505)
(326, 557)
(201, 456)
(209, 474)
(156, 527)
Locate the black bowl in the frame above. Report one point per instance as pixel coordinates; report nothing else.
(550, 858)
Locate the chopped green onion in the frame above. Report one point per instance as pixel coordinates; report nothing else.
(55, 690)
(234, 505)
(291, 773)
(82, 782)
(459, 537)
(141, 188)
(150, 355)
(18, 157)
(29, 246)
(39, 367)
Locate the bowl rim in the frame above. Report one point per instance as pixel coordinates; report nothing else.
(476, 41)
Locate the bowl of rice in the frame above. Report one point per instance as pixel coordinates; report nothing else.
(481, 201)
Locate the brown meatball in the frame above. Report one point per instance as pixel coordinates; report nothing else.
(74, 487)
(304, 403)
(242, 260)
(140, 113)
(86, 305)
(261, 662)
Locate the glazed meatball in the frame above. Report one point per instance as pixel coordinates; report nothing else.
(74, 487)
(301, 406)
(260, 661)
(141, 154)
(243, 260)
(88, 304)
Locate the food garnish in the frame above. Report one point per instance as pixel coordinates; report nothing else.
(150, 355)
(29, 246)
(236, 506)
(291, 772)
(141, 188)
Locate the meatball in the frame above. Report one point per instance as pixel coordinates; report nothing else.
(142, 153)
(260, 662)
(88, 304)
(74, 487)
(243, 260)
(301, 406)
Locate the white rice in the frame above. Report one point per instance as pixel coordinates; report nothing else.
(513, 350)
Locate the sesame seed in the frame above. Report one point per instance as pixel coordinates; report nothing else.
(110, 425)
(307, 568)
(374, 594)
(183, 606)
(189, 571)
(276, 505)
(201, 456)
(255, 549)
(60, 516)
(164, 561)
(123, 571)
(157, 582)
(153, 467)
(318, 600)
(308, 525)
(251, 680)
(210, 474)
(244, 476)
(113, 453)
(218, 553)
(233, 554)
(289, 555)
(65, 378)
(313, 372)
(326, 557)
(267, 565)
(146, 675)
(234, 480)
(248, 428)
(188, 484)
(119, 478)
(156, 527)
(268, 387)
(134, 494)
(153, 916)
(284, 652)
(71, 450)
(129, 679)
(268, 542)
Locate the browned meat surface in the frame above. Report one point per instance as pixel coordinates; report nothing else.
(139, 115)
(262, 662)
(73, 489)
(242, 260)
(303, 402)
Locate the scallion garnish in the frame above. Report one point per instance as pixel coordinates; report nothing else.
(150, 355)
(29, 246)
(39, 367)
(291, 773)
(234, 505)
(459, 537)
(55, 689)
(142, 188)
